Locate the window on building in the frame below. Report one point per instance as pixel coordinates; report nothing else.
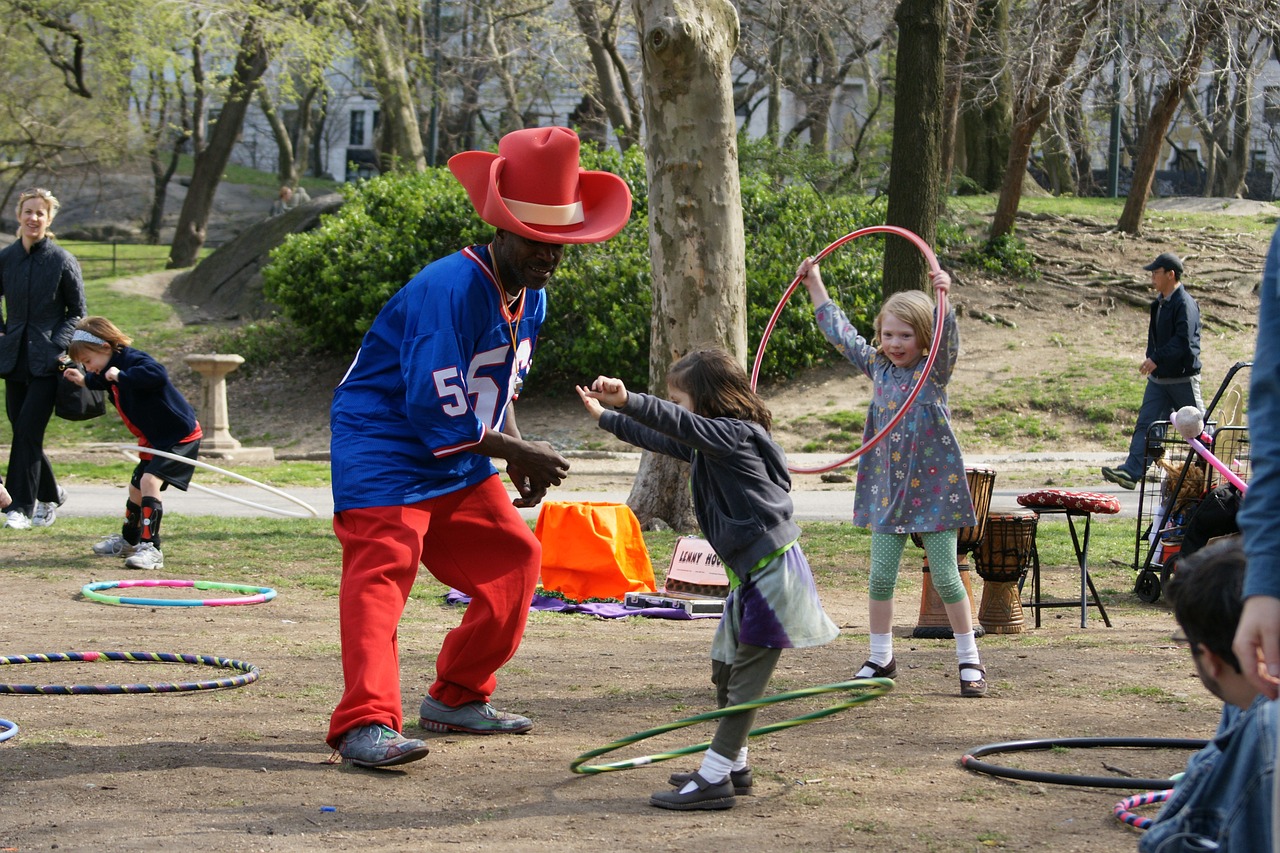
(1271, 105)
(357, 129)
(1258, 160)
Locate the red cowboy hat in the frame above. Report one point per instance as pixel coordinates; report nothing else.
(534, 187)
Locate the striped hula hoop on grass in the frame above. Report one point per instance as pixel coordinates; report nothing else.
(872, 688)
(250, 673)
(249, 594)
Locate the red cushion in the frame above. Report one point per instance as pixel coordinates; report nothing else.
(1086, 501)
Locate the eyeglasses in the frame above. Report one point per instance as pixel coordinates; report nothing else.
(1180, 638)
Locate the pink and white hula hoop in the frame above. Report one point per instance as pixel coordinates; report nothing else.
(940, 316)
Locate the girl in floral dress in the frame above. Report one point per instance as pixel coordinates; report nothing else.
(913, 481)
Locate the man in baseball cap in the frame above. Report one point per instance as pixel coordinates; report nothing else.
(1166, 261)
(1171, 365)
(425, 406)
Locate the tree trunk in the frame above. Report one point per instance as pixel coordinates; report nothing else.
(161, 174)
(1031, 114)
(211, 162)
(987, 122)
(915, 177)
(400, 140)
(403, 139)
(696, 240)
(286, 164)
(957, 47)
(1206, 23)
(608, 89)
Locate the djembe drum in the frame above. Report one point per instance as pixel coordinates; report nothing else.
(933, 622)
(1002, 560)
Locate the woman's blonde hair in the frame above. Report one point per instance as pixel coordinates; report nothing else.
(913, 307)
(51, 201)
(102, 329)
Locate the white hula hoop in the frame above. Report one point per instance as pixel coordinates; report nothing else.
(130, 452)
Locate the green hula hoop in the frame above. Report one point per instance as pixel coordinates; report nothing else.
(872, 688)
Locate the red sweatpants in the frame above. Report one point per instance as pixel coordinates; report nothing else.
(475, 541)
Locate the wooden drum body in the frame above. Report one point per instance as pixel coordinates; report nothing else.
(1002, 559)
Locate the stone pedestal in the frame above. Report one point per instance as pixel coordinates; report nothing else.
(212, 410)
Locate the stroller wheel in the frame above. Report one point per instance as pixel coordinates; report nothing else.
(1168, 570)
(1147, 587)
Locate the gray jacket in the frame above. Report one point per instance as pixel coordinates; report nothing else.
(741, 487)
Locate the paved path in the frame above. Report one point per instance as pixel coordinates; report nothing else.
(827, 503)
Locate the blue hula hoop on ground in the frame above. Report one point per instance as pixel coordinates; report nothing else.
(250, 594)
(7, 730)
(872, 688)
(970, 760)
(250, 673)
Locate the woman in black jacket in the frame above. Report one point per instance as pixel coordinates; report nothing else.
(43, 298)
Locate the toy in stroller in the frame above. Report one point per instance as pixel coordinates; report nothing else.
(1194, 503)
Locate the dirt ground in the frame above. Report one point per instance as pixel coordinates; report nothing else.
(245, 768)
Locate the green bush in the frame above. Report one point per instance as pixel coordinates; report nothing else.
(1005, 254)
(332, 281)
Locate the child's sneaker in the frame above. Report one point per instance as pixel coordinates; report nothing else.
(145, 556)
(376, 745)
(114, 545)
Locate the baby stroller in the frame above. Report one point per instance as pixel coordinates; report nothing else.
(1194, 502)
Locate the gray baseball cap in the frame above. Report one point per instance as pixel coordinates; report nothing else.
(1166, 261)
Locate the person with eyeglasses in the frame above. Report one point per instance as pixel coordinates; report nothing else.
(1223, 801)
(42, 294)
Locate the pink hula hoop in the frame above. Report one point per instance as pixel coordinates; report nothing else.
(940, 316)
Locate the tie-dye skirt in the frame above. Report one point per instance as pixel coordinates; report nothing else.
(776, 607)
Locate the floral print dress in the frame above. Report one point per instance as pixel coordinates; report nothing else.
(913, 480)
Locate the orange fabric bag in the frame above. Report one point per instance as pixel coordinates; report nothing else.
(592, 550)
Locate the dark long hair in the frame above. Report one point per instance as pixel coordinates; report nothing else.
(719, 387)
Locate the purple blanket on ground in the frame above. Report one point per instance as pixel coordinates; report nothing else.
(602, 609)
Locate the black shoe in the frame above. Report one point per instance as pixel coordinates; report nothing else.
(707, 795)
(889, 670)
(741, 780)
(1119, 477)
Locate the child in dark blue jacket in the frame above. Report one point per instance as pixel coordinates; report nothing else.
(158, 416)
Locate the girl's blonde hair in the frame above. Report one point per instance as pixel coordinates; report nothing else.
(104, 330)
(50, 201)
(916, 309)
(719, 387)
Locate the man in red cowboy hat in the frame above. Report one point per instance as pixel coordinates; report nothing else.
(424, 407)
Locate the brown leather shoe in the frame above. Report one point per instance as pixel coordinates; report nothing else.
(973, 689)
(889, 670)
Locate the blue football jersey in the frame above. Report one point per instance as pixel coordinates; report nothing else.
(435, 371)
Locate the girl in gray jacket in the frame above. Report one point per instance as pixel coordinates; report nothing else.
(741, 495)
